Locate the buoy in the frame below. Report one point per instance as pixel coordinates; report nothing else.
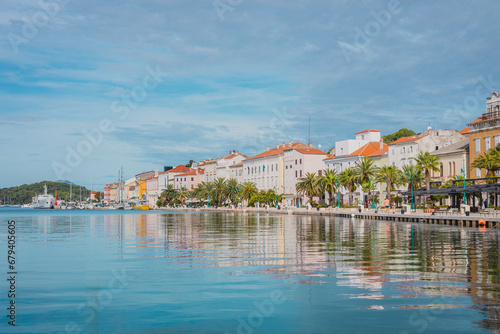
(482, 224)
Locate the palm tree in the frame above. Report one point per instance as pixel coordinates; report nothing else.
(427, 163)
(489, 161)
(232, 189)
(389, 175)
(183, 193)
(412, 173)
(348, 179)
(309, 185)
(365, 169)
(247, 190)
(330, 179)
(219, 190)
(166, 196)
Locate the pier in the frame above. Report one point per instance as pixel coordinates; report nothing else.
(460, 220)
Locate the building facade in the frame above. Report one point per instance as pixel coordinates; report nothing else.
(484, 133)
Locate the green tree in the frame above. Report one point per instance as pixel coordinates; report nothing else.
(309, 185)
(403, 132)
(490, 161)
(330, 179)
(166, 196)
(389, 175)
(427, 163)
(219, 192)
(231, 190)
(348, 179)
(365, 169)
(247, 190)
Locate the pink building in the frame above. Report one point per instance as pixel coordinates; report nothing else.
(189, 179)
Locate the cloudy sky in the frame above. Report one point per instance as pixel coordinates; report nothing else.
(89, 86)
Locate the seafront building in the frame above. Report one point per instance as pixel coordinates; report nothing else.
(219, 167)
(189, 179)
(484, 132)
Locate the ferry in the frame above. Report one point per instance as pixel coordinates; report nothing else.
(44, 201)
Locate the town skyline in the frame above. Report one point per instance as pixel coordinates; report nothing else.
(162, 83)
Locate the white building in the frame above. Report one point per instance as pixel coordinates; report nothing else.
(168, 177)
(405, 150)
(219, 167)
(348, 146)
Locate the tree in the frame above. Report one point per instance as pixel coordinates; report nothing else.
(330, 179)
(403, 132)
(490, 161)
(231, 190)
(427, 163)
(219, 190)
(388, 175)
(190, 163)
(247, 190)
(99, 196)
(348, 179)
(309, 185)
(182, 194)
(365, 169)
(412, 173)
(166, 196)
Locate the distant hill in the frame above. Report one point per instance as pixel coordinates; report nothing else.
(24, 194)
(66, 181)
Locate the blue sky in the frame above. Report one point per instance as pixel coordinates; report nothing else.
(230, 74)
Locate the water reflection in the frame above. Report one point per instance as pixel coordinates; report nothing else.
(391, 265)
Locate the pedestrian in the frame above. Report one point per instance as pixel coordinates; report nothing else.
(485, 204)
(387, 203)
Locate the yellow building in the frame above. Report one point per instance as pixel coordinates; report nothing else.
(484, 133)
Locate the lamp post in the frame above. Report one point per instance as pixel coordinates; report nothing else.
(275, 198)
(373, 192)
(411, 182)
(463, 173)
(338, 193)
(297, 200)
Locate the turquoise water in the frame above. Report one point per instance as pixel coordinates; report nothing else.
(136, 272)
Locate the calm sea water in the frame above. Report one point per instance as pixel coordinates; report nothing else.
(129, 272)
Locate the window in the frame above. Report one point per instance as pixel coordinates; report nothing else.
(295, 161)
(477, 145)
(453, 169)
(402, 150)
(362, 137)
(290, 166)
(301, 173)
(296, 173)
(437, 148)
(301, 161)
(240, 172)
(441, 169)
(394, 163)
(478, 172)
(410, 149)
(393, 152)
(320, 172)
(276, 167)
(272, 167)
(286, 167)
(192, 179)
(497, 140)
(486, 143)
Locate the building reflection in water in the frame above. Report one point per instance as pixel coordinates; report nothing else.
(419, 260)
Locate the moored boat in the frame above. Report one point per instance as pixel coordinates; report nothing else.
(45, 201)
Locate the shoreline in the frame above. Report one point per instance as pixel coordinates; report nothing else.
(458, 220)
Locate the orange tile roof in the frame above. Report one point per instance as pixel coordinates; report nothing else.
(367, 149)
(310, 150)
(406, 139)
(232, 156)
(329, 157)
(464, 131)
(369, 130)
(378, 153)
(479, 119)
(178, 169)
(276, 151)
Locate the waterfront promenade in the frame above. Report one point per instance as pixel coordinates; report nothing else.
(491, 220)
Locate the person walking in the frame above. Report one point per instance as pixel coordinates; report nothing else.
(387, 203)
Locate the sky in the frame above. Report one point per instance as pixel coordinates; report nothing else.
(88, 87)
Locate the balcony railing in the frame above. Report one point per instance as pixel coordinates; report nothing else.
(490, 115)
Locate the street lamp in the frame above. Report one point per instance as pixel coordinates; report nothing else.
(373, 192)
(411, 182)
(338, 193)
(275, 198)
(463, 173)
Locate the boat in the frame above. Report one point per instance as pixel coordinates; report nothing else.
(26, 206)
(141, 207)
(45, 201)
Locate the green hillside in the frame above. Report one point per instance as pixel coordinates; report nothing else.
(23, 194)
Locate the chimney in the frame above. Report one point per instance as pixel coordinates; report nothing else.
(268, 147)
(290, 143)
(310, 145)
(283, 144)
(278, 145)
(381, 143)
